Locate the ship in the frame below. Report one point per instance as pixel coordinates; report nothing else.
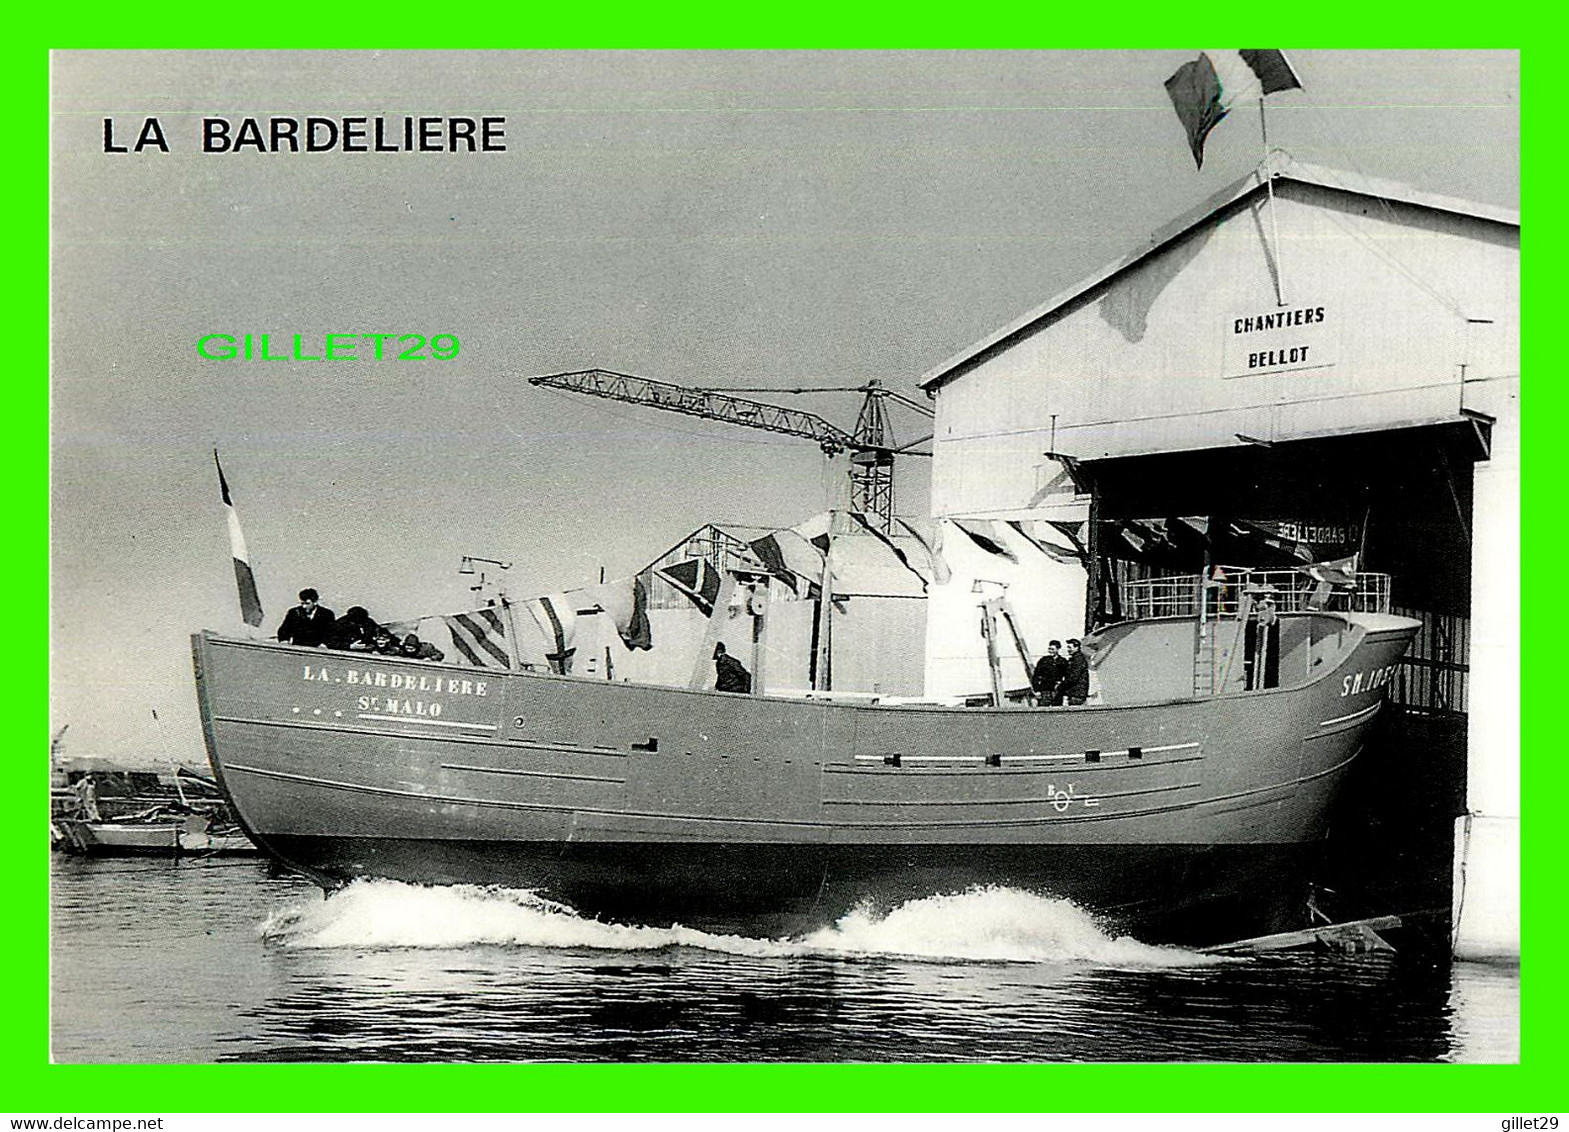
(1165, 799)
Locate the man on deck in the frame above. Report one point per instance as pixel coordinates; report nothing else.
(307, 623)
(1046, 681)
(1076, 684)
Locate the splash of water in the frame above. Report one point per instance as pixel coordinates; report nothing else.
(386, 913)
(993, 924)
(979, 925)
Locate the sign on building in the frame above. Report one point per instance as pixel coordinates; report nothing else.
(1303, 336)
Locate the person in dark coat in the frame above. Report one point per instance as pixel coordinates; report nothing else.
(730, 674)
(1046, 681)
(384, 642)
(354, 630)
(421, 650)
(307, 623)
(1076, 683)
(1261, 644)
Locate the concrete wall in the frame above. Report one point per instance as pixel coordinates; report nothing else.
(1487, 839)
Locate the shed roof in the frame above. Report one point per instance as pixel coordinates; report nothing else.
(1280, 166)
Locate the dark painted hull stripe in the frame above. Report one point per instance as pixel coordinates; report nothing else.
(978, 769)
(1074, 756)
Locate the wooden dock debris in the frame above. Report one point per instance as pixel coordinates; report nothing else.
(1354, 937)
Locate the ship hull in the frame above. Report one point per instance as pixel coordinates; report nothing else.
(664, 805)
(1160, 891)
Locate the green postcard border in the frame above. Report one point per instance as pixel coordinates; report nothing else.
(31, 1083)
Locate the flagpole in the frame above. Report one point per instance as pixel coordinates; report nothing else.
(1274, 218)
(514, 663)
(823, 664)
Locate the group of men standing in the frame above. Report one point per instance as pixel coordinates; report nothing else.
(1058, 679)
(313, 625)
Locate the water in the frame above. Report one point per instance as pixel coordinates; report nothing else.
(220, 961)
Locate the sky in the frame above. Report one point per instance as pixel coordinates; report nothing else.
(769, 219)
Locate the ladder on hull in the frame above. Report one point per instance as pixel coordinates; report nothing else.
(1212, 657)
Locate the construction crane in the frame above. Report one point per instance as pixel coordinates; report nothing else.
(871, 444)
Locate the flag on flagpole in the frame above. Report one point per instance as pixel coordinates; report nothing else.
(250, 602)
(1204, 91)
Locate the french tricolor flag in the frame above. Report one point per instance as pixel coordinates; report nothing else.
(250, 603)
(1205, 90)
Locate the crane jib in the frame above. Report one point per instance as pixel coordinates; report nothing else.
(701, 402)
(871, 445)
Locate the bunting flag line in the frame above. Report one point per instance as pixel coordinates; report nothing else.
(815, 530)
(983, 533)
(1340, 572)
(1255, 539)
(480, 637)
(1076, 531)
(1173, 543)
(1050, 549)
(557, 620)
(695, 578)
(250, 601)
(625, 602)
(401, 629)
(1204, 91)
(638, 634)
(790, 555)
(882, 537)
(928, 535)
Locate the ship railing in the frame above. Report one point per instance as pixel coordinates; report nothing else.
(1221, 594)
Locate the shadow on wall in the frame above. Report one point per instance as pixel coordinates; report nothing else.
(1126, 306)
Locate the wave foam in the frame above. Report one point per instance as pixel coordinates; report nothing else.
(979, 925)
